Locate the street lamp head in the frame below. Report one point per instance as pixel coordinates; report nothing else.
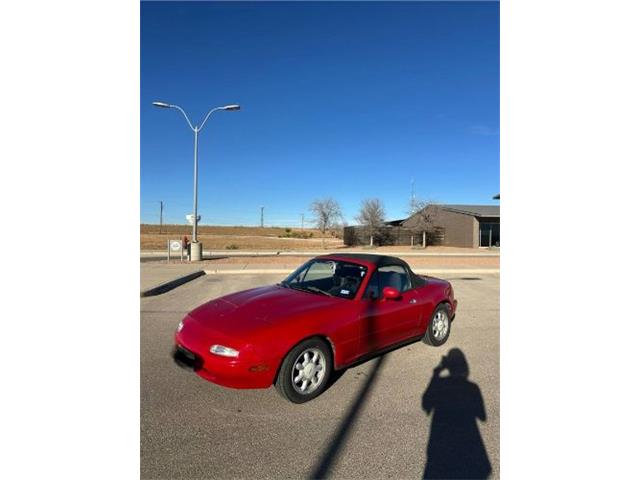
(161, 104)
(231, 107)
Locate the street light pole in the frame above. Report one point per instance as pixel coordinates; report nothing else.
(196, 248)
(194, 235)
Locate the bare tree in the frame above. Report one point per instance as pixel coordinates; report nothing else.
(371, 216)
(327, 214)
(414, 205)
(424, 217)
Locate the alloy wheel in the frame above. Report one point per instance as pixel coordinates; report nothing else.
(308, 371)
(440, 325)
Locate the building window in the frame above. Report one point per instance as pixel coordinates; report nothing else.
(489, 234)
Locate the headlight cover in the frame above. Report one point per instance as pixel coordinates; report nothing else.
(223, 351)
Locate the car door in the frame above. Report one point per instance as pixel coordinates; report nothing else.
(387, 322)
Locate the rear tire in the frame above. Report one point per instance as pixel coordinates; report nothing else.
(305, 371)
(439, 327)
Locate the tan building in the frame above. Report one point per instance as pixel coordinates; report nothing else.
(459, 225)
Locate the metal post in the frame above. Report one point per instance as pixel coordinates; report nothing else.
(196, 248)
(161, 206)
(195, 187)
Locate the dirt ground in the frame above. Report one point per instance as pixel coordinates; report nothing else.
(242, 242)
(237, 238)
(222, 230)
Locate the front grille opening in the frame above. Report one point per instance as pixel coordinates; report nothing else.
(187, 359)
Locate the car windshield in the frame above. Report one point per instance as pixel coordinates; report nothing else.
(327, 277)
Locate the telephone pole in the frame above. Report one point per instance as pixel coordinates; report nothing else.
(161, 208)
(261, 216)
(302, 221)
(413, 199)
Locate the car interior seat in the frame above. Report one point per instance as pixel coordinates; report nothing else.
(395, 280)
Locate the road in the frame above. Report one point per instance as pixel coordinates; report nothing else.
(369, 424)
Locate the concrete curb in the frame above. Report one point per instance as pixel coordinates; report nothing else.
(421, 271)
(171, 284)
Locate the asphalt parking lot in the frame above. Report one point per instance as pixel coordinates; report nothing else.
(369, 424)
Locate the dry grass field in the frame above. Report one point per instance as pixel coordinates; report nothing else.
(272, 238)
(244, 238)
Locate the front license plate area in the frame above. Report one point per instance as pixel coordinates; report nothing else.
(186, 359)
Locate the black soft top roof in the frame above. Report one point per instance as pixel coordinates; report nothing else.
(381, 261)
(377, 260)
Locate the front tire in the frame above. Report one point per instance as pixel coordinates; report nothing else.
(439, 327)
(305, 371)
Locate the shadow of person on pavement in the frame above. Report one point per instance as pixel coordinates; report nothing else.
(455, 448)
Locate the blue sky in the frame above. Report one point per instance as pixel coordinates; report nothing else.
(348, 100)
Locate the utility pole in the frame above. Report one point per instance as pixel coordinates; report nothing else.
(302, 221)
(161, 208)
(413, 199)
(261, 216)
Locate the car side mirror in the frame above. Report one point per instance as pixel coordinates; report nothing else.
(390, 293)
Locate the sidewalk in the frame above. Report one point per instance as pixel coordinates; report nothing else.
(315, 253)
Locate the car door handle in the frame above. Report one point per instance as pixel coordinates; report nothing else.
(413, 300)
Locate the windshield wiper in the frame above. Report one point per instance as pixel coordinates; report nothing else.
(315, 289)
(301, 289)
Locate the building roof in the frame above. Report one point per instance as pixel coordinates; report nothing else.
(480, 211)
(395, 223)
(475, 210)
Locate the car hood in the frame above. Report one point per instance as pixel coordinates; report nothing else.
(246, 310)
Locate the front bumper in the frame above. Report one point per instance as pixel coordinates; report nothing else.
(228, 372)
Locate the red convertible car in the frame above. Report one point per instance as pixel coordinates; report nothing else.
(333, 311)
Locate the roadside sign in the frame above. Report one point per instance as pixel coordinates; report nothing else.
(190, 218)
(174, 246)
